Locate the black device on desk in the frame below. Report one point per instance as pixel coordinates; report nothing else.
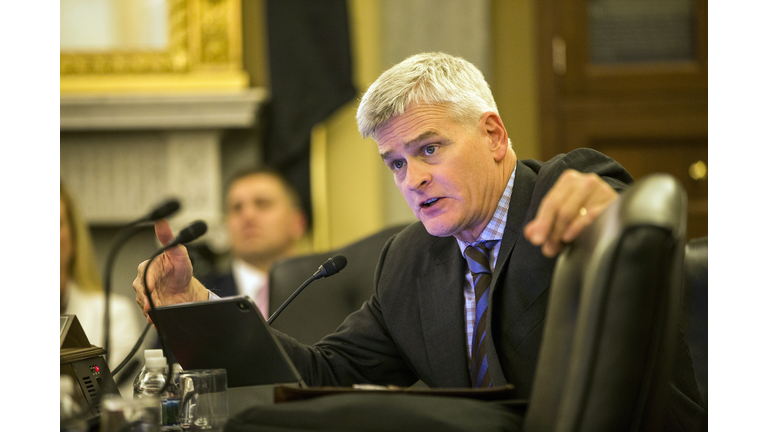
(228, 333)
(85, 363)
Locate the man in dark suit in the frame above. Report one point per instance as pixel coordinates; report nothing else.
(264, 223)
(461, 295)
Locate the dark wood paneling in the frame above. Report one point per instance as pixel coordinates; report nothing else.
(650, 117)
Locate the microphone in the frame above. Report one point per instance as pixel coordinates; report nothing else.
(163, 210)
(191, 232)
(330, 267)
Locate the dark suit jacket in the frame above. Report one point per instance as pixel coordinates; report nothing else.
(414, 328)
(223, 285)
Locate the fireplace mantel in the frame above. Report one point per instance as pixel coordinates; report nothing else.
(123, 154)
(170, 111)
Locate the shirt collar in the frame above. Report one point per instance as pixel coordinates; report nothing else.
(495, 228)
(248, 277)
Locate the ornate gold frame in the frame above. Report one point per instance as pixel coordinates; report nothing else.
(204, 53)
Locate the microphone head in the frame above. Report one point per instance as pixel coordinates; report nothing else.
(332, 266)
(191, 232)
(164, 210)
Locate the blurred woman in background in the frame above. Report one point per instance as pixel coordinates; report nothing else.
(81, 292)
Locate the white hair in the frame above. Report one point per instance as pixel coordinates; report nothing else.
(430, 79)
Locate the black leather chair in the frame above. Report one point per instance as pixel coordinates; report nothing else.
(324, 304)
(610, 335)
(695, 304)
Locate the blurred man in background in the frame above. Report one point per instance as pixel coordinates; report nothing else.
(264, 223)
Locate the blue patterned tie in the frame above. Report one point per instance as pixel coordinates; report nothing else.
(480, 268)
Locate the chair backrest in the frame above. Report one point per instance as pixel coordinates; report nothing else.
(609, 337)
(324, 304)
(695, 303)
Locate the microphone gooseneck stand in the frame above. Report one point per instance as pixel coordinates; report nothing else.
(163, 210)
(133, 350)
(330, 267)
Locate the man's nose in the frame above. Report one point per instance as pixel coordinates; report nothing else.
(249, 212)
(417, 176)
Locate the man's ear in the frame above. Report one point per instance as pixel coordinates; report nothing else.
(299, 224)
(496, 134)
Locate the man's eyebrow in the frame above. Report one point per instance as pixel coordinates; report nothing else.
(424, 136)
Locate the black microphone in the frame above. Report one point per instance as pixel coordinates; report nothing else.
(186, 235)
(163, 210)
(329, 268)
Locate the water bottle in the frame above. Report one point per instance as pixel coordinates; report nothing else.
(151, 384)
(72, 416)
(140, 376)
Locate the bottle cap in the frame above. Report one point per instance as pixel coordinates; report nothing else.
(156, 362)
(153, 353)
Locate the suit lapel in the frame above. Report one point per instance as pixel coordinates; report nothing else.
(522, 192)
(441, 302)
(519, 204)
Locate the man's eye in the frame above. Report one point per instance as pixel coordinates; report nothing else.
(396, 165)
(430, 149)
(264, 204)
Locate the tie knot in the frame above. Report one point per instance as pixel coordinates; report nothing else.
(478, 257)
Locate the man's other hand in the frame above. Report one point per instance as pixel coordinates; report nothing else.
(169, 278)
(573, 203)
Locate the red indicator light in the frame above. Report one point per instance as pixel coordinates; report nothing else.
(96, 369)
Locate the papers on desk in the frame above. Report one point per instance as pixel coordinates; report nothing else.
(292, 393)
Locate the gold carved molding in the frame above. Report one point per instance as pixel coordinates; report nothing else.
(204, 52)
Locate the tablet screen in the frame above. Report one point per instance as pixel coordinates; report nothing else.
(229, 333)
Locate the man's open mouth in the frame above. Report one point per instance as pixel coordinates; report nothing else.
(429, 202)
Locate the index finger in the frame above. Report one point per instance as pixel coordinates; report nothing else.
(539, 229)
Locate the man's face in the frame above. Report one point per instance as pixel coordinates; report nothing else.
(447, 172)
(261, 220)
